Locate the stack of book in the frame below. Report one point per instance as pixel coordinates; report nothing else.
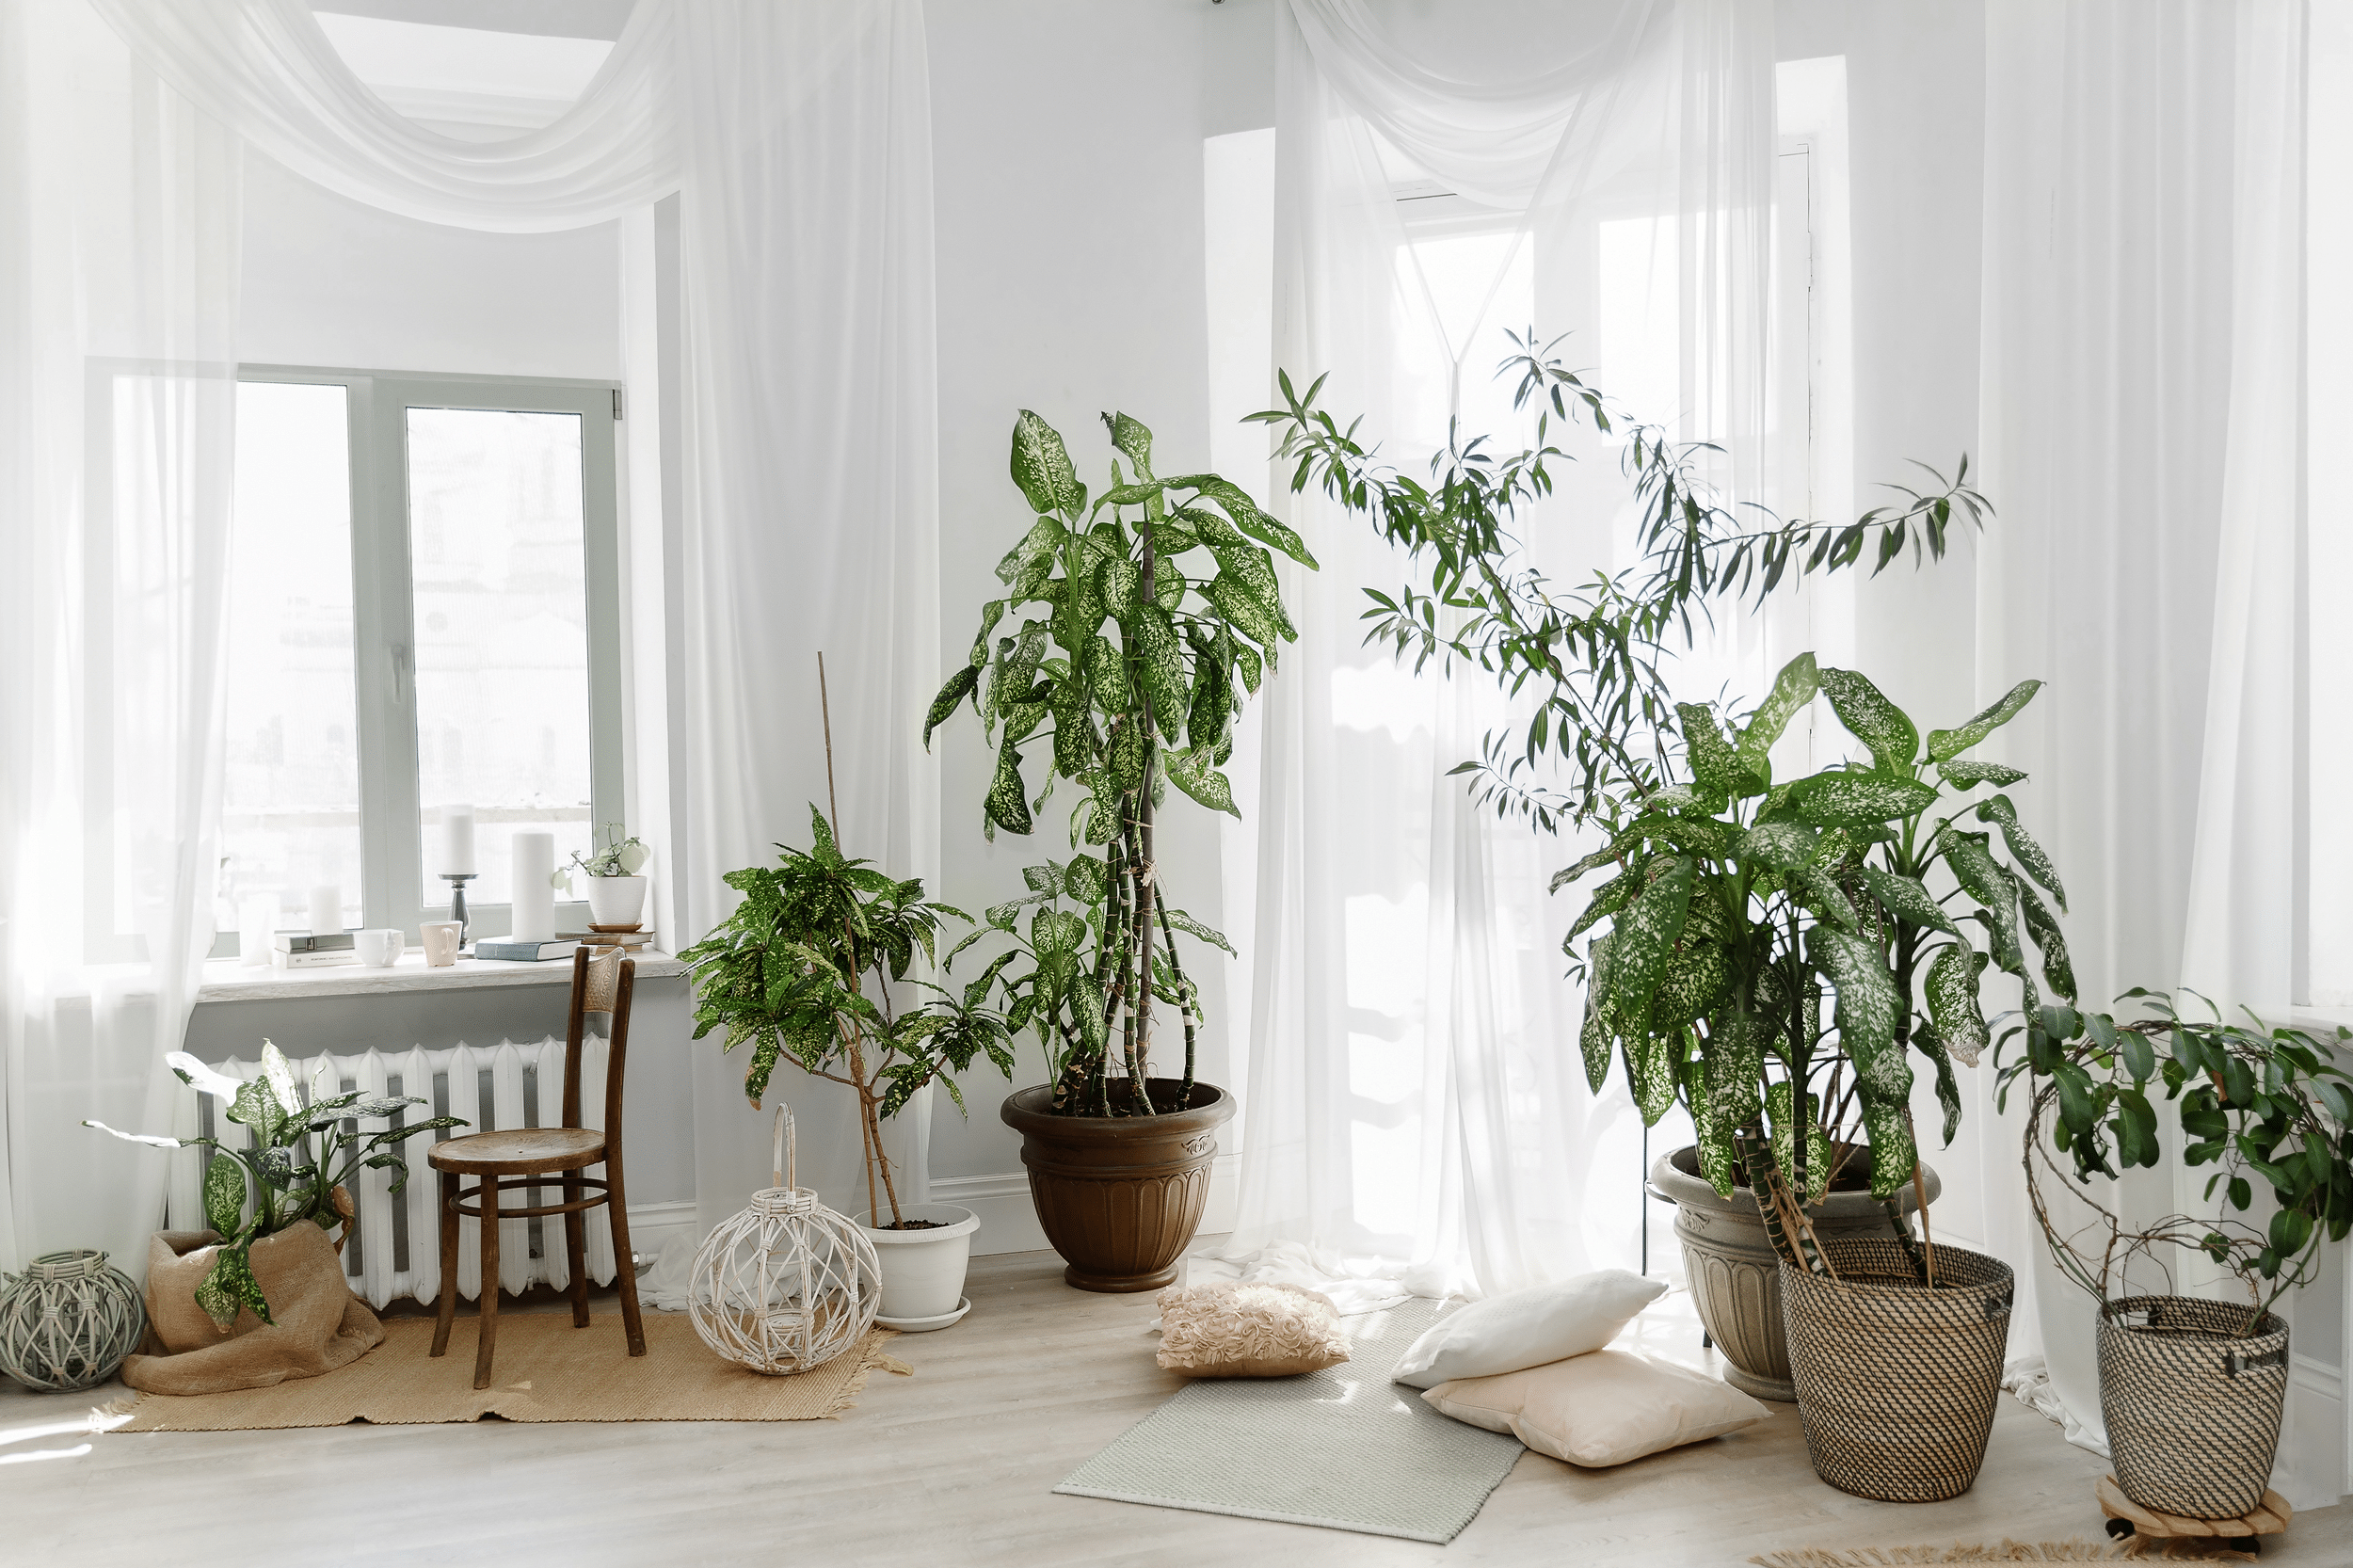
(301, 949)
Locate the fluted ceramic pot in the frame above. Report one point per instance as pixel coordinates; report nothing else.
(1120, 1197)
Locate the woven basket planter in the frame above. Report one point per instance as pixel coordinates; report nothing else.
(2192, 1408)
(1897, 1384)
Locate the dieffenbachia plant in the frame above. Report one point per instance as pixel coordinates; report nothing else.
(304, 1149)
(803, 967)
(1737, 903)
(1132, 630)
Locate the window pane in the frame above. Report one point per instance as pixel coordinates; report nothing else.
(502, 627)
(290, 815)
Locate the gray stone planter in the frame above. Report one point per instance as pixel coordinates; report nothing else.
(1735, 1274)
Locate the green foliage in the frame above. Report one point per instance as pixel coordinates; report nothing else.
(2270, 1110)
(1140, 625)
(803, 969)
(306, 1145)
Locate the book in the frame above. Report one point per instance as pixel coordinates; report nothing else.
(324, 960)
(524, 952)
(629, 941)
(303, 941)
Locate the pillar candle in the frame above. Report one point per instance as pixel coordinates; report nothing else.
(458, 840)
(327, 909)
(534, 895)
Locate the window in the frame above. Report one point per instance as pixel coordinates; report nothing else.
(423, 611)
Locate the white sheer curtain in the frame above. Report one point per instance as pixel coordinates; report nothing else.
(2140, 407)
(1418, 1119)
(118, 224)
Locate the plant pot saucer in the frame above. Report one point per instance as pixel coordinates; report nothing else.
(925, 1325)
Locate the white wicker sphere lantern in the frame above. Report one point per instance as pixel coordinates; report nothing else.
(68, 1320)
(787, 1284)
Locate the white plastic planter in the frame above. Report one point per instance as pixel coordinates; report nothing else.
(615, 900)
(922, 1271)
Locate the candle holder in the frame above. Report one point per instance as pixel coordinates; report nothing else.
(458, 881)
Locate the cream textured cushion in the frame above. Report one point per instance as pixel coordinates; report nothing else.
(1231, 1330)
(1600, 1409)
(1528, 1328)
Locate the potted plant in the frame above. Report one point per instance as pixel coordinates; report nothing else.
(1734, 901)
(2192, 1389)
(803, 968)
(283, 1192)
(1133, 631)
(617, 893)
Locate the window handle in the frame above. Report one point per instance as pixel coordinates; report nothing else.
(403, 671)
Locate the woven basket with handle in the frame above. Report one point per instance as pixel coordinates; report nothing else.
(2192, 1408)
(1897, 1384)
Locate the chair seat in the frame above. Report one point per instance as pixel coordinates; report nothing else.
(521, 1151)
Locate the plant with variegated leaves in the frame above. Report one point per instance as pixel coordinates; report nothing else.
(1737, 902)
(304, 1147)
(1133, 630)
(803, 967)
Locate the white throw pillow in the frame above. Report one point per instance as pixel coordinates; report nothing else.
(1600, 1409)
(1528, 1328)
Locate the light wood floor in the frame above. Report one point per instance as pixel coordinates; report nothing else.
(950, 1468)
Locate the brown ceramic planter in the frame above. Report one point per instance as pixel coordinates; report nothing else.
(1119, 1196)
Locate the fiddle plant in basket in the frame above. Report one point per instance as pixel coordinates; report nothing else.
(1133, 627)
(2272, 1113)
(304, 1149)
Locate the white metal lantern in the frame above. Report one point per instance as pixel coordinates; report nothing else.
(787, 1284)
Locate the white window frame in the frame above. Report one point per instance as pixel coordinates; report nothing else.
(384, 633)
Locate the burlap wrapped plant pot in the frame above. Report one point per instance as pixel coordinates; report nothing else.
(318, 1323)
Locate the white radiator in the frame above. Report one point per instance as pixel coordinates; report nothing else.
(395, 1246)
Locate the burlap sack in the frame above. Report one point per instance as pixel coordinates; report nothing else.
(320, 1326)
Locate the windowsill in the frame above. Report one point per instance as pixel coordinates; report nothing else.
(228, 980)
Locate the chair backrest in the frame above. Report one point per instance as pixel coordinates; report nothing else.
(603, 981)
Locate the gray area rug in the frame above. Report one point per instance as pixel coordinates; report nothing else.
(1344, 1448)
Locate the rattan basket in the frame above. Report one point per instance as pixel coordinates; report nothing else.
(1897, 1384)
(2192, 1408)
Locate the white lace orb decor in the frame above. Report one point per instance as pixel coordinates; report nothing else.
(787, 1284)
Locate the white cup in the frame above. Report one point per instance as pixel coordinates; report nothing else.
(379, 948)
(441, 941)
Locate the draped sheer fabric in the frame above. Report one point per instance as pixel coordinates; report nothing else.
(266, 70)
(1417, 1116)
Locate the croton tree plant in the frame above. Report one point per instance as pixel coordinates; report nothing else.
(1733, 902)
(1133, 627)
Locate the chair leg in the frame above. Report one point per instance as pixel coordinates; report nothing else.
(624, 1265)
(446, 1312)
(576, 1249)
(488, 1332)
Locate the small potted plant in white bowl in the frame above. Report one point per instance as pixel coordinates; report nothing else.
(617, 892)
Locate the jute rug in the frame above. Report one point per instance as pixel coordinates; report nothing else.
(1343, 1448)
(2134, 1550)
(547, 1371)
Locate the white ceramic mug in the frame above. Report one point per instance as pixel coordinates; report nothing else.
(379, 947)
(441, 941)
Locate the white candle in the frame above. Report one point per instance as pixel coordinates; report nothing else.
(327, 909)
(534, 895)
(458, 840)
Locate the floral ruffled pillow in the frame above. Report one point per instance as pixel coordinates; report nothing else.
(1234, 1330)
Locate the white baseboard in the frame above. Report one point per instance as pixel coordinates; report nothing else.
(650, 1225)
(1009, 1218)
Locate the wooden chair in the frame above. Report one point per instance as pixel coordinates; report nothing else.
(536, 1157)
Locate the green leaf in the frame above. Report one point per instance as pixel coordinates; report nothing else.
(1712, 1137)
(229, 1284)
(1028, 565)
(1008, 804)
(1253, 569)
(1233, 599)
(1967, 775)
(1193, 772)
(991, 613)
(1951, 986)
(1735, 1055)
(1651, 1073)
(1894, 739)
(1843, 799)
(1781, 1100)
(1783, 846)
(1948, 1089)
(2046, 935)
(1087, 879)
(1943, 744)
(1696, 980)
(960, 685)
(1893, 1153)
(1042, 468)
(1610, 897)
(1907, 899)
(1974, 869)
(1868, 1008)
(1247, 515)
(1793, 688)
(1600, 1025)
(224, 1194)
(2022, 848)
(1716, 766)
(1186, 923)
(1160, 666)
(1647, 931)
